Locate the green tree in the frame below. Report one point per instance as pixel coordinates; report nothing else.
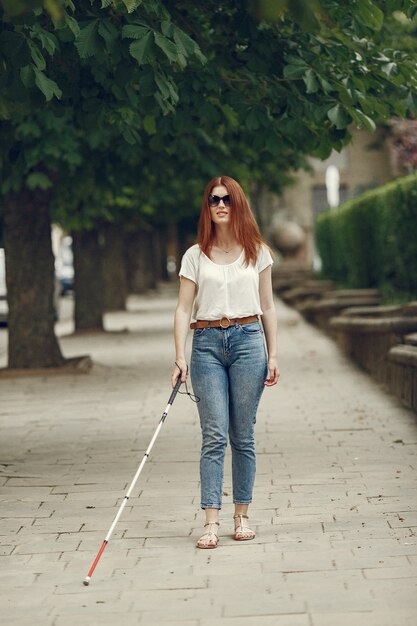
(76, 80)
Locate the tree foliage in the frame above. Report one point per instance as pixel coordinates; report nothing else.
(83, 77)
(103, 95)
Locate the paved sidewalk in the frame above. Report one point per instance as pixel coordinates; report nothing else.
(335, 505)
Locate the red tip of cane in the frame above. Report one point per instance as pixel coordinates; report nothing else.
(86, 580)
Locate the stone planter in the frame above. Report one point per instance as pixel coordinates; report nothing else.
(320, 312)
(368, 340)
(309, 290)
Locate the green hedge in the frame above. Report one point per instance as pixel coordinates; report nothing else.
(371, 241)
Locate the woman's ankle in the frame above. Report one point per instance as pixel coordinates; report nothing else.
(212, 516)
(241, 509)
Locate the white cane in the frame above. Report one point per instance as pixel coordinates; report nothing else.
(133, 483)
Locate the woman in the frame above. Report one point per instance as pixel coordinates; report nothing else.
(226, 285)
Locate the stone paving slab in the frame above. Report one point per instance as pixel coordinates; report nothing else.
(335, 505)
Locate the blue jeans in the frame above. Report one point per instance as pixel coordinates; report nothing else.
(228, 369)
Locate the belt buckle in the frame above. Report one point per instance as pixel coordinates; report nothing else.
(221, 320)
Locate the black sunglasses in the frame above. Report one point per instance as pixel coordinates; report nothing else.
(215, 200)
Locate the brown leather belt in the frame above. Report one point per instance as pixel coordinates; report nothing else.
(224, 322)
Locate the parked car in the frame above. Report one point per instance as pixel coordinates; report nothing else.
(64, 266)
(4, 309)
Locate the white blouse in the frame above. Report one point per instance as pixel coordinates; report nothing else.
(224, 290)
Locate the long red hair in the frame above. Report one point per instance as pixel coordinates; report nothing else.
(243, 223)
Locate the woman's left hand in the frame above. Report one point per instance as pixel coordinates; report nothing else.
(273, 373)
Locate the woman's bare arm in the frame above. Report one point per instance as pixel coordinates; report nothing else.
(269, 322)
(181, 324)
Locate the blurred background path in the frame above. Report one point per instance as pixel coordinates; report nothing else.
(335, 506)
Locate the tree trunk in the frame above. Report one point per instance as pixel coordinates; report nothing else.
(30, 281)
(265, 204)
(140, 254)
(88, 280)
(259, 205)
(114, 268)
(160, 243)
(172, 247)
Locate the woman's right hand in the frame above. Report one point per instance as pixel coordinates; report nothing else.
(180, 369)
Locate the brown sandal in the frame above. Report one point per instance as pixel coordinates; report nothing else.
(209, 539)
(242, 530)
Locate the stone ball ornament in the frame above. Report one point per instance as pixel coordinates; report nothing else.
(288, 237)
